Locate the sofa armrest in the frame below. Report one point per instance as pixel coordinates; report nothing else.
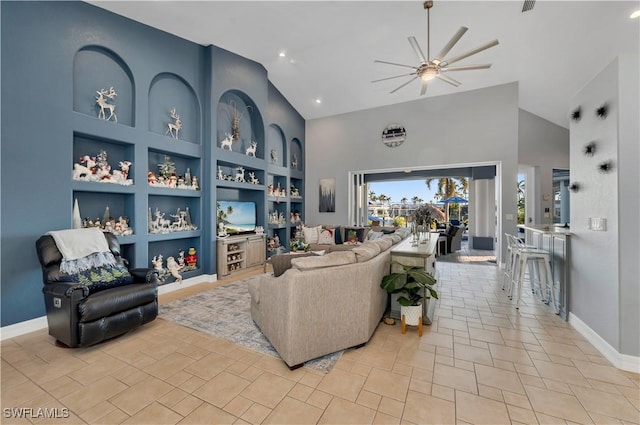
(65, 289)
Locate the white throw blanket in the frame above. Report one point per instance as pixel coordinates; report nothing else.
(82, 249)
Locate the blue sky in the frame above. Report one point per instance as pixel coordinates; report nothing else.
(405, 188)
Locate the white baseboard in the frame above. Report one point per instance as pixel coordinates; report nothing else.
(38, 323)
(621, 361)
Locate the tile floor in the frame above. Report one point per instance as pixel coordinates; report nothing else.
(481, 362)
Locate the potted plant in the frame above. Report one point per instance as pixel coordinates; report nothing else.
(413, 285)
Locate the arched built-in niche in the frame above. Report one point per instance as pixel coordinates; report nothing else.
(235, 105)
(277, 144)
(297, 155)
(96, 68)
(169, 92)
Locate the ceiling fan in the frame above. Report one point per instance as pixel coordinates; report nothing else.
(430, 68)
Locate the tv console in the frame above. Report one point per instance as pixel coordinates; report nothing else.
(240, 252)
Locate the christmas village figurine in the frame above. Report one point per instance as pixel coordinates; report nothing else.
(192, 259)
(119, 227)
(167, 177)
(222, 230)
(294, 192)
(103, 99)
(295, 217)
(239, 174)
(253, 179)
(181, 222)
(251, 150)
(276, 217)
(175, 126)
(97, 169)
(273, 243)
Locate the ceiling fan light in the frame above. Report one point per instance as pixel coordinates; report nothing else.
(429, 74)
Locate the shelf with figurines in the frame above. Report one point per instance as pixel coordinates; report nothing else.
(160, 224)
(294, 193)
(168, 178)
(118, 225)
(181, 265)
(96, 169)
(233, 175)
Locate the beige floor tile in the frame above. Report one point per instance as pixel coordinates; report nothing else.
(436, 339)
(116, 416)
(208, 414)
(486, 336)
(416, 358)
(606, 404)
(138, 396)
(319, 399)
(443, 392)
(154, 413)
(268, 389)
(424, 409)
(300, 392)
(521, 415)
(87, 397)
(604, 373)
(459, 325)
(377, 358)
(423, 387)
(191, 384)
(221, 389)
(387, 384)
(473, 354)
(169, 365)
(557, 404)
(173, 397)
(342, 411)
(479, 410)
(343, 384)
(499, 378)
(311, 379)
(292, 411)
(384, 419)
(391, 407)
(455, 378)
(187, 405)
(490, 392)
(369, 399)
(561, 373)
(238, 406)
(256, 413)
(209, 366)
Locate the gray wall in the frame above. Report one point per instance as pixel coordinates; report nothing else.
(545, 146)
(467, 127)
(604, 271)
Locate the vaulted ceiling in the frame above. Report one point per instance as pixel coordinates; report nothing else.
(552, 51)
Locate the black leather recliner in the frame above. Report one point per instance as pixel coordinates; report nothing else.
(79, 315)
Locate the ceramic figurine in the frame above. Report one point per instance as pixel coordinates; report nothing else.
(220, 174)
(174, 269)
(192, 258)
(103, 102)
(227, 142)
(251, 150)
(274, 156)
(175, 126)
(239, 174)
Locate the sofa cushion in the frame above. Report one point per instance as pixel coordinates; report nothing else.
(358, 232)
(327, 237)
(383, 243)
(373, 235)
(366, 251)
(311, 234)
(282, 262)
(339, 258)
(394, 238)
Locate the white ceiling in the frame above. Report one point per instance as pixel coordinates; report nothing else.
(552, 50)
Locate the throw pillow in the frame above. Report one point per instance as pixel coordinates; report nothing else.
(311, 233)
(317, 262)
(388, 231)
(327, 237)
(355, 234)
(338, 232)
(107, 277)
(366, 251)
(374, 235)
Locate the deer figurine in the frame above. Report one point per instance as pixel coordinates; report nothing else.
(175, 126)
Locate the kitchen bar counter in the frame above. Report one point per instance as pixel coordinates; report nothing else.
(556, 240)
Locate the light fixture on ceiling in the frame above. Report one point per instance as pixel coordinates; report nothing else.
(318, 100)
(635, 14)
(430, 68)
(282, 54)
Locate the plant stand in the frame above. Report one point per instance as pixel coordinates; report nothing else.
(404, 325)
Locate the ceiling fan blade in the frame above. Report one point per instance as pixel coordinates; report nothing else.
(456, 37)
(396, 76)
(470, 52)
(449, 80)
(466, 67)
(404, 84)
(396, 64)
(417, 49)
(423, 89)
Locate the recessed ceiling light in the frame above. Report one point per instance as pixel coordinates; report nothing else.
(318, 101)
(635, 14)
(282, 54)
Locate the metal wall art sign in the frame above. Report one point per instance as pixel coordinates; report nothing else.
(393, 135)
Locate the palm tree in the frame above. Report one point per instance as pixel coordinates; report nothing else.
(521, 202)
(448, 187)
(372, 196)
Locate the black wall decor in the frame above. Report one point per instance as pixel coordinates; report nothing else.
(590, 149)
(576, 114)
(574, 187)
(602, 111)
(605, 167)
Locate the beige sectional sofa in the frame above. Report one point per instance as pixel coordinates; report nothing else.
(324, 304)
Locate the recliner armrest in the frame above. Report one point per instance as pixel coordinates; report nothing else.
(144, 275)
(65, 289)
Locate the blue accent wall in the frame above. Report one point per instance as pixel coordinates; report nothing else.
(40, 114)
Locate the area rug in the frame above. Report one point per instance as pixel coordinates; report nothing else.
(225, 312)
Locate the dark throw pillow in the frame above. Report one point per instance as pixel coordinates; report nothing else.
(107, 277)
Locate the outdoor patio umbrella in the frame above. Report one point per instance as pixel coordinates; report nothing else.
(454, 200)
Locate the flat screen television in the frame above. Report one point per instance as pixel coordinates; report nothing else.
(237, 216)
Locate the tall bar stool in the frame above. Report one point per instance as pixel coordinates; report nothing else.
(514, 246)
(539, 263)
